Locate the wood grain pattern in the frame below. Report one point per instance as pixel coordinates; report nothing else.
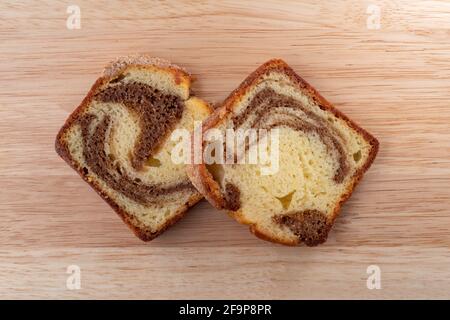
(394, 81)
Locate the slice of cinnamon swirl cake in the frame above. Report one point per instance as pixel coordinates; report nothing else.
(118, 140)
(320, 153)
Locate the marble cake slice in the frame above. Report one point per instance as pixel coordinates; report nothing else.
(322, 156)
(118, 140)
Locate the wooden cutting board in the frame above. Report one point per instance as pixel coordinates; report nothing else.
(392, 77)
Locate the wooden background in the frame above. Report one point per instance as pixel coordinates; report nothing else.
(394, 81)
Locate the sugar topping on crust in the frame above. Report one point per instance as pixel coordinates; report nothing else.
(120, 63)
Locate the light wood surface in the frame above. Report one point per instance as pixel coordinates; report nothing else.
(394, 81)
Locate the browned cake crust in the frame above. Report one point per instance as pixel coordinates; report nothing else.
(61, 147)
(310, 227)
